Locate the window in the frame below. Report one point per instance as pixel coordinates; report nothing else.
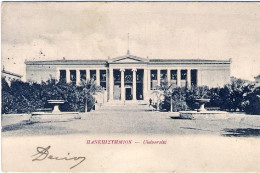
(103, 78)
(82, 75)
(153, 74)
(73, 76)
(117, 76)
(173, 74)
(163, 75)
(93, 74)
(183, 74)
(139, 75)
(62, 75)
(128, 76)
(194, 80)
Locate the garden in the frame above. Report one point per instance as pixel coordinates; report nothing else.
(237, 96)
(27, 97)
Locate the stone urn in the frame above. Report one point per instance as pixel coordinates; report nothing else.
(202, 104)
(56, 104)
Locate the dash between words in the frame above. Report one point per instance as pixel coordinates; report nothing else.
(125, 142)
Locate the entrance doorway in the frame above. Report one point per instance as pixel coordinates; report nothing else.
(128, 94)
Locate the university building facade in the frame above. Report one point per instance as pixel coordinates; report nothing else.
(132, 78)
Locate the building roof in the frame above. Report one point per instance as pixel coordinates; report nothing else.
(69, 62)
(127, 59)
(190, 61)
(10, 73)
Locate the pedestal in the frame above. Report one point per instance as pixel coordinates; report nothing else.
(56, 108)
(202, 108)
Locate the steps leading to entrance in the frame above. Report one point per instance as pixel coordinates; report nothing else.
(126, 106)
(123, 108)
(127, 102)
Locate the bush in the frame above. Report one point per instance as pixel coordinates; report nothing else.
(252, 105)
(25, 97)
(8, 103)
(196, 93)
(215, 98)
(232, 97)
(178, 100)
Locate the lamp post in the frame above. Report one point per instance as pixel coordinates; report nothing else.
(170, 92)
(171, 103)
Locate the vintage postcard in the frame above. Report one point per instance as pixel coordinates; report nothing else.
(130, 86)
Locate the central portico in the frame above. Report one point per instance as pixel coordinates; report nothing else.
(128, 78)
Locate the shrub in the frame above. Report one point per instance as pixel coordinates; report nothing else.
(178, 100)
(253, 102)
(215, 99)
(232, 97)
(196, 93)
(8, 103)
(25, 97)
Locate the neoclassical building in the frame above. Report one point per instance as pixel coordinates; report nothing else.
(130, 77)
(10, 76)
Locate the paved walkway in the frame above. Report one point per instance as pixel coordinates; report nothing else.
(134, 119)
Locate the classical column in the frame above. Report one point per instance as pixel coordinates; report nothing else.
(77, 77)
(107, 85)
(169, 77)
(158, 77)
(188, 78)
(178, 77)
(148, 79)
(145, 80)
(198, 77)
(111, 84)
(67, 75)
(98, 77)
(134, 83)
(122, 84)
(87, 74)
(58, 75)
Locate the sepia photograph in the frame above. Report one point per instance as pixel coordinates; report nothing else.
(130, 86)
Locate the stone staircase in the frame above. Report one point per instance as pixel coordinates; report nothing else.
(119, 106)
(127, 102)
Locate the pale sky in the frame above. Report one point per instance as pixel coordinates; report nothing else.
(96, 30)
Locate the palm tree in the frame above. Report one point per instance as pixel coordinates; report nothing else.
(158, 94)
(165, 89)
(89, 89)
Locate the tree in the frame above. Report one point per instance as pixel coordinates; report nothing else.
(253, 102)
(196, 93)
(25, 97)
(167, 89)
(159, 96)
(5, 86)
(179, 99)
(233, 95)
(89, 88)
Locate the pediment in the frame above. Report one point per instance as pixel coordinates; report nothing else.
(128, 59)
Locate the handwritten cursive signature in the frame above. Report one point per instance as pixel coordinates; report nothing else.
(43, 153)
